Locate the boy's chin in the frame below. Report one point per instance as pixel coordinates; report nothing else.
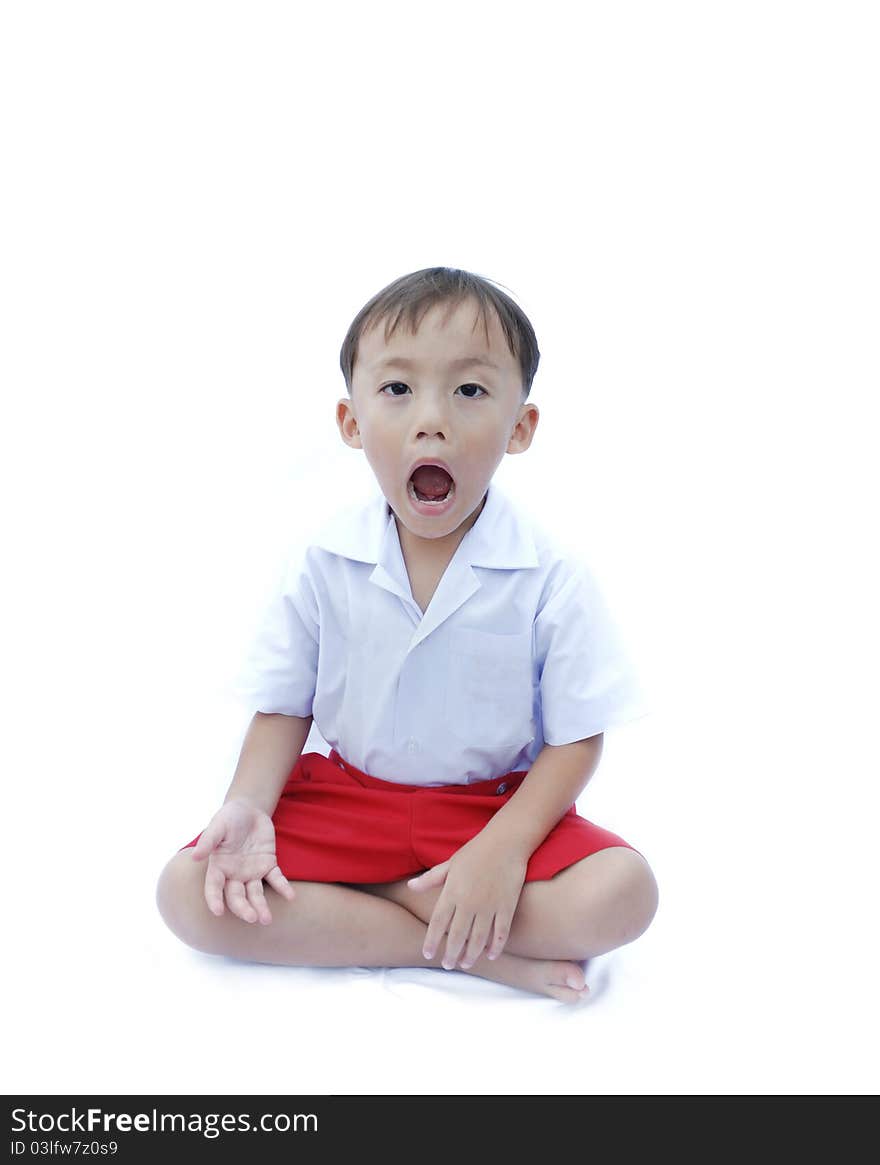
(430, 527)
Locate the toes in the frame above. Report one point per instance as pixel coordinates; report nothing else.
(568, 994)
(568, 983)
(571, 975)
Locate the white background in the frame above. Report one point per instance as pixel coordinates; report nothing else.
(197, 199)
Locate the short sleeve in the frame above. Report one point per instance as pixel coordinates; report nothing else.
(280, 669)
(587, 680)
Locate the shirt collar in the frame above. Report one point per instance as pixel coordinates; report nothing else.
(501, 537)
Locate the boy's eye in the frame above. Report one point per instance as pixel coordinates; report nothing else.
(400, 384)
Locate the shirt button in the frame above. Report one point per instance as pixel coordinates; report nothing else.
(502, 788)
(412, 745)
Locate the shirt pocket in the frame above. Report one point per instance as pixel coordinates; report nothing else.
(489, 688)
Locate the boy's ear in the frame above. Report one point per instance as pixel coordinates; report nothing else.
(524, 429)
(347, 423)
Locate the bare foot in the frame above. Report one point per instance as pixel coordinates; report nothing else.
(560, 978)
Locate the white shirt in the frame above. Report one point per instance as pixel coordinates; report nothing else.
(516, 649)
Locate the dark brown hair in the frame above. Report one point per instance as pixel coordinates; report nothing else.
(411, 296)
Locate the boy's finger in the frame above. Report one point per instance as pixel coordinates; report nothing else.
(440, 920)
(238, 903)
(433, 877)
(214, 890)
(210, 838)
(257, 899)
(455, 940)
(480, 933)
(278, 882)
(500, 937)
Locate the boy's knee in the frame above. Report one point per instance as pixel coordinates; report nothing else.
(642, 891)
(627, 885)
(181, 902)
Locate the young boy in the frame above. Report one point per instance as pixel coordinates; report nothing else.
(463, 672)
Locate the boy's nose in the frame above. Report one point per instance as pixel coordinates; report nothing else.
(432, 421)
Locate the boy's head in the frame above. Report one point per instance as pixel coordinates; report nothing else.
(409, 297)
(428, 384)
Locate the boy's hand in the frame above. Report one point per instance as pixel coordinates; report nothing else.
(239, 843)
(482, 883)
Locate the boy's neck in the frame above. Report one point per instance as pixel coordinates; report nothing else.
(433, 553)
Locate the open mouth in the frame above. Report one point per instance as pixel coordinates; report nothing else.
(431, 485)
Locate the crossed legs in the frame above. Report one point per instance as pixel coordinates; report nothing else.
(593, 906)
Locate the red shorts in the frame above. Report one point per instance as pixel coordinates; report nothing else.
(334, 823)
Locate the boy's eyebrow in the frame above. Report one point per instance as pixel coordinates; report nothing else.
(461, 362)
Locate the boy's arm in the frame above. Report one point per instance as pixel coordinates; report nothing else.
(557, 777)
(239, 840)
(483, 880)
(272, 746)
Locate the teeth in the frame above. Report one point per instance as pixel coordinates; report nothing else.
(411, 490)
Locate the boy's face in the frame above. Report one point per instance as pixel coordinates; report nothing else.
(419, 398)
